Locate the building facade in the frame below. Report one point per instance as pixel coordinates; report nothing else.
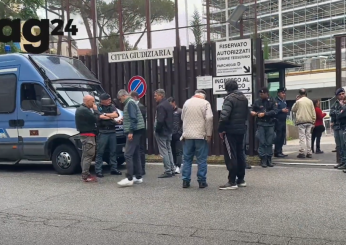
(300, 31)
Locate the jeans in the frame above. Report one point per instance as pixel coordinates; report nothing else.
(234, 157)
(132, 157)
(103, 140)
(305, 138)
(88, 153)
(280, 128)
(198, 148)
(265, 136)
(177, 151)
(165, 150)
(340, 144)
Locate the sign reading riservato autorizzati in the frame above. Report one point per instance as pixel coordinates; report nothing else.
(234, 58)
(39, 41)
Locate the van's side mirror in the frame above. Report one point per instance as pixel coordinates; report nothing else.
(48, 107)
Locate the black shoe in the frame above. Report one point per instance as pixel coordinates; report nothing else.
(342, 167)
(203, 184)
(248, 167)
(280, 155)
(318, 151)
(269, 162)
(186, 184)
(301, 156)
(116, 172)
(344, 171)
(228, 186)
(334, 150)
(308, 155)
(99, 175)
(264, 162)
(165, 175)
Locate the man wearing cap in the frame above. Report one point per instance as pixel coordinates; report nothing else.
(107, 136)
(197, 117)
(305, 120)
(264, 109)
(335, 110)
(280, 124)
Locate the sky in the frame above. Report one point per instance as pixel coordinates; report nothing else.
(161, 39)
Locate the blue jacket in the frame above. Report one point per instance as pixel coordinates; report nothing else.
(281, 104)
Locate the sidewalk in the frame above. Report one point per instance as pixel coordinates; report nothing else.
(292, 150)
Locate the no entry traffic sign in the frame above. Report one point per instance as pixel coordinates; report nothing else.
(138, 84)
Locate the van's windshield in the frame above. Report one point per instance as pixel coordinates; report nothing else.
(72, 93)
(58, 67)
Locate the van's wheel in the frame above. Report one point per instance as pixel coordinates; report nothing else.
(66, 160)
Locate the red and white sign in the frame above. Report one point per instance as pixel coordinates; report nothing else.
(138, 84)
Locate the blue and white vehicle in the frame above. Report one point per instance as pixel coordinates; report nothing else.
(39, 95)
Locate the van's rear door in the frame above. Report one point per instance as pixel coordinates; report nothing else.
(9, 148)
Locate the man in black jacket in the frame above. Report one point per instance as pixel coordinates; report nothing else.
(143, 143)
(232, 128)
(280, 124)
(86, 125)
(176, 143)
(163, 132)
(107, 136)
(265, 109)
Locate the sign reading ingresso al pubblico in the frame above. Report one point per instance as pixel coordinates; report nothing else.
(148, 54)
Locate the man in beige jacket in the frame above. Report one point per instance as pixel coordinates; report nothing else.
(305, 120)
(197, 117)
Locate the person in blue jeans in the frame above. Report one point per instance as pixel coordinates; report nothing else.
(197, 118)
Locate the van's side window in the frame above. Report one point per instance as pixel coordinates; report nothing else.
(31, 95)
(8, 85)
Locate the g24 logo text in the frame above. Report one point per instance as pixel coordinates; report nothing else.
(42, 37)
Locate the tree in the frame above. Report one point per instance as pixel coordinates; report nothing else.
(27, 9)
(266, 54)
(112, 44)
(107, 16)
(197, 27)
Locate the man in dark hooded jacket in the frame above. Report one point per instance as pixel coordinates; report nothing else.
(232, 128)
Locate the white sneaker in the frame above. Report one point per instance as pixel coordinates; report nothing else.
(137, 181)
(125, 182)
(177, 170)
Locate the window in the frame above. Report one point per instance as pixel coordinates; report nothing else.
(8, 84)
(31, 96)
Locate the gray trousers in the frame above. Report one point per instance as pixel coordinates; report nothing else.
(88, 153)
(165, 150)
(132, 157)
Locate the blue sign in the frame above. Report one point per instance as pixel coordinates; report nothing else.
(138, 84)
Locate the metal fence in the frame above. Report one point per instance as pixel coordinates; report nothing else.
(177, 76)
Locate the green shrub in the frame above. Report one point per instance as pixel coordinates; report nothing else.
(290, 122)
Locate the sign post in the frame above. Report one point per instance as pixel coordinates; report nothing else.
(234, 62)
(138, 84)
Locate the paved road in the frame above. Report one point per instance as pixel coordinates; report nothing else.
(282, 205)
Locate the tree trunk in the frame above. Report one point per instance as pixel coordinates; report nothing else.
(87, 27)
